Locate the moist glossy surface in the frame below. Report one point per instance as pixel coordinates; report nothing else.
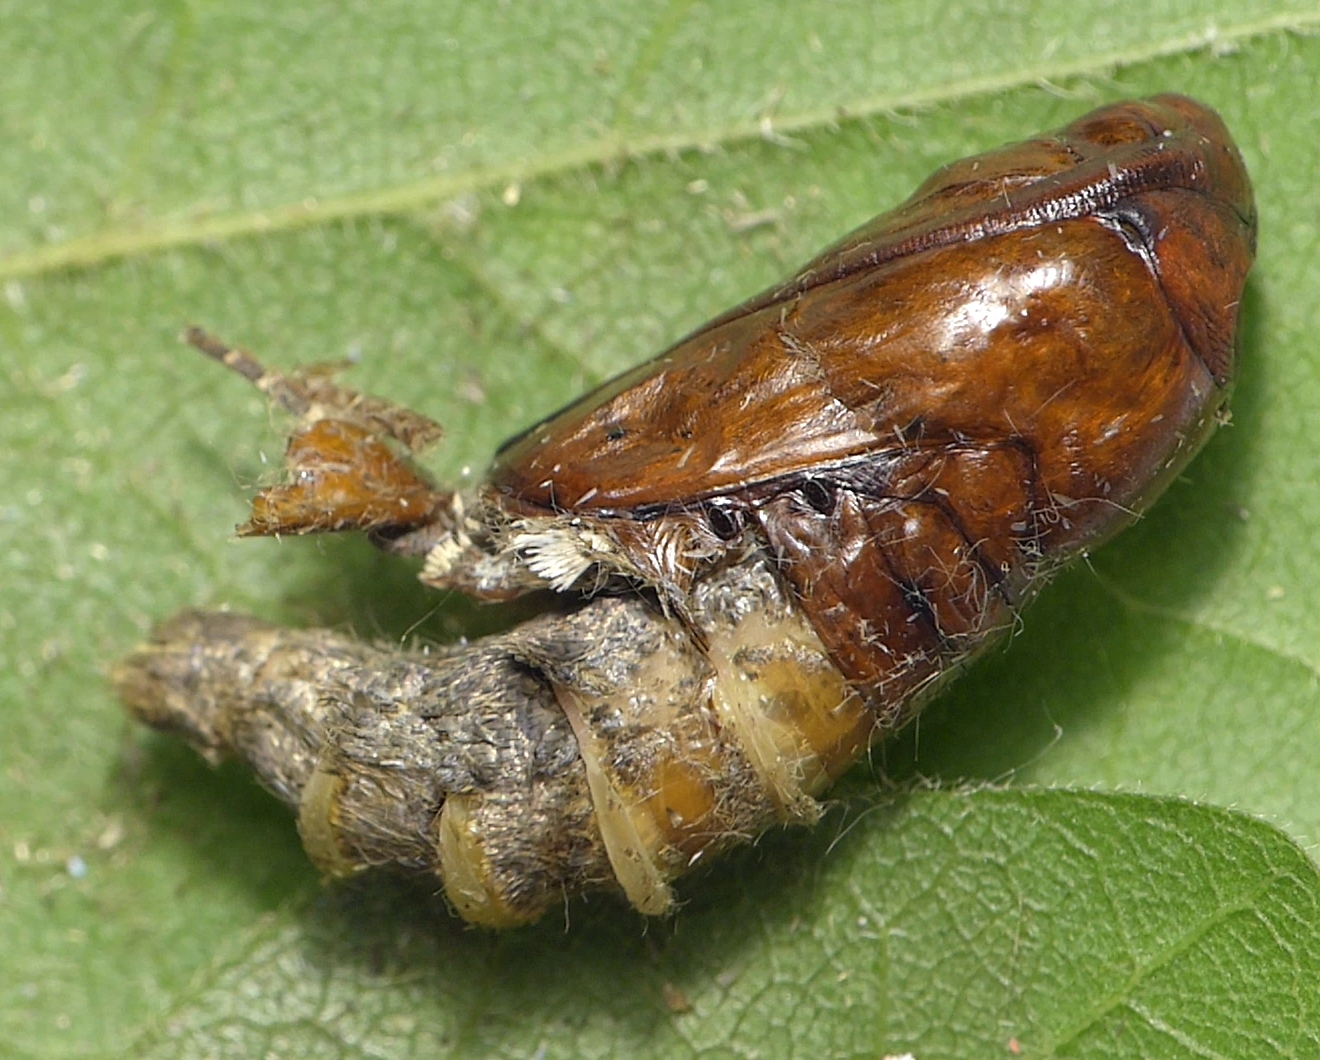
(953, 400)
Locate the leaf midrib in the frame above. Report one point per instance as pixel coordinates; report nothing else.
(616, 145)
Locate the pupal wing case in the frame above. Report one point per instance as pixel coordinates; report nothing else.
(952, 400)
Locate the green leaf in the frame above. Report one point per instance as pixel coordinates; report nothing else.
(1050, 923)
(495, 206)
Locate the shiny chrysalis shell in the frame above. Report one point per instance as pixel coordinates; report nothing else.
(833, 494)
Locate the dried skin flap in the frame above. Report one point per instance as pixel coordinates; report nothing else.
(832, 496)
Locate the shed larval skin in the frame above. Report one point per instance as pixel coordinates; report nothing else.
(781, 534)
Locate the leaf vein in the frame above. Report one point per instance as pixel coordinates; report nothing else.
(185, 229)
